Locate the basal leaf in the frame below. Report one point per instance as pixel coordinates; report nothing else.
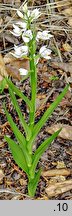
(20, 138)
(17, 154)
(16, 106)
(41, 149)
(2, 85)
(19, 93)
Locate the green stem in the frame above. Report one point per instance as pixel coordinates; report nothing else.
(33, 94)
(33, 80)
(33, 182)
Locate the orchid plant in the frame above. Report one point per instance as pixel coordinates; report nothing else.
(22, 151)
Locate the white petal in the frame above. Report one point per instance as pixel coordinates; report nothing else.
(21, 48)
(24, 49)
(42, 49)
(28, 13)
(19, 14)
(20, 51)
(23, 71)
(39, 35)
(48, 51)
(29, 33)
(22, 25)
(16, 31)
(44, 52)
(16, 56)
(25, 8)
(46, 35)
(43, 35)
(17, 50)
(25, 39)
(27, 16)
(45, 32)
(35, 14)
(16, 27)
(27, 36)
(15, 34)
(46, 57)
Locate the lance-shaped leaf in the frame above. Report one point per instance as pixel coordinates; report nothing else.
(46, 116)
(16, 106)
(32, 185)
(19, 93)
(17, 154)
(2, 85)
(20, 138)
(41, 149)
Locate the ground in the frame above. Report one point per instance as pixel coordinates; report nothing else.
(56, 179)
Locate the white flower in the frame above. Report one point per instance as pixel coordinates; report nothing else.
(44, 52)
(23, 71)
(35, 14)
(45, 35)
(29, 14)
(20, 14)
(20, 51)
(16, 31)
(27, 36)
(22, 25)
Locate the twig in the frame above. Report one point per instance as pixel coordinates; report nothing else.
(13, 192)
(57, 172)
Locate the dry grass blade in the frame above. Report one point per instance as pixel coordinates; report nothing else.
(13, 192)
